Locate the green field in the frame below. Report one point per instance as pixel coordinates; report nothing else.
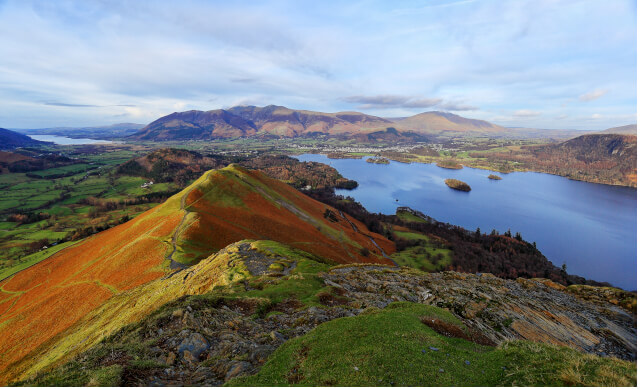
(64, 200)
(428, 256)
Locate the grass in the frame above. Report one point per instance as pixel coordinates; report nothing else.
(392, 347)
(423, 257)
(409, 217)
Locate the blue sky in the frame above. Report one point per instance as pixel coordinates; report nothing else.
(546, 64)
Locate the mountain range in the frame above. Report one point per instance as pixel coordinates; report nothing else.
(244, 121)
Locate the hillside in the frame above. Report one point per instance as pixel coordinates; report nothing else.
(180, 166)
(283, 121)
(222, 207)
(600, 158)
(444, 122)
(303, 322)
(197, 125)
(11, 140)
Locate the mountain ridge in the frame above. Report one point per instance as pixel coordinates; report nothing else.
(222, 207)
(245, 121)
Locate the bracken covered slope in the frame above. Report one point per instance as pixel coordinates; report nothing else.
(262, 313)
(222, 207)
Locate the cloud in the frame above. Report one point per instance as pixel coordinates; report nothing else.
(400, 101)
(453, 106)
(58, 104)
(490, 57)
(525, 113)
(596, 116)
(422, 103)
(593, 95)
(380, 100)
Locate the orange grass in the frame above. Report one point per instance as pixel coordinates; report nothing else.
(62, 289)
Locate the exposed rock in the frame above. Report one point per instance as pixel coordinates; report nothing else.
(238, 368)
(503, 309)
(194, 345)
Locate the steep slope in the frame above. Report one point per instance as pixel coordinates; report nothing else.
(444, 122)
(630, 129)
(11, 139)
(222, 207)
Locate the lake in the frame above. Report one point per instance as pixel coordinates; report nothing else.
(63, 140)
(590, 227)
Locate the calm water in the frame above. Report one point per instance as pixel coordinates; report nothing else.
(63, 140)
(590, 227)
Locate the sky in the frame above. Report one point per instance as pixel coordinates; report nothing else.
(565, 64)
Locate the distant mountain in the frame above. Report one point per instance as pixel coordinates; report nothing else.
(444, 122)
(630, 129)
(118, 130)
(250, 120)
(279, 120)
(197, 125)
(11, 139)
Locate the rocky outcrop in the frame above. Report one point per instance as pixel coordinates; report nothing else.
(208, 340)
(500, 309)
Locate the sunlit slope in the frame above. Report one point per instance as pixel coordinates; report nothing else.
(219, 269)
(222, 207)
(43, 300)
(231, 204)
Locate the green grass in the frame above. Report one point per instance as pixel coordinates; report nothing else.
(66, 170)
(409, 217)
(391, 347)
(32, 259)
(423, 257)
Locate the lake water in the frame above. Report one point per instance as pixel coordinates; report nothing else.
(63, 140)
(590, 227)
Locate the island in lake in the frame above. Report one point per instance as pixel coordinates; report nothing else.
(449, 165)
(494, 177)
(378, 160)
(457, 184)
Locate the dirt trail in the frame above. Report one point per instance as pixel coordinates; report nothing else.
(173, 265)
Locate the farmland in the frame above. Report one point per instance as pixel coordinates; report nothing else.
(47, 207)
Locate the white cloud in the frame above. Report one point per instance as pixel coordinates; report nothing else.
(526, 113)
(491, 57)
(593, 95)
